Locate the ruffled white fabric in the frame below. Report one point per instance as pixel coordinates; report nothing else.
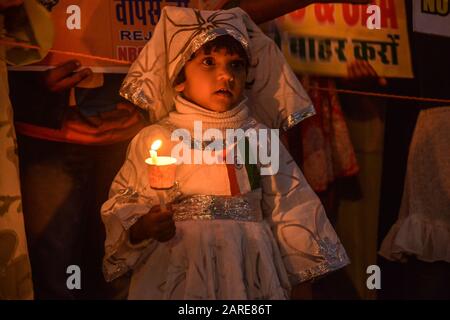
(416, 235)
(423, 226)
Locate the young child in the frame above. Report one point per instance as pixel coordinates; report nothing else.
(231, 231)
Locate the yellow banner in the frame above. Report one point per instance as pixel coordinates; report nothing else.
(322, 38)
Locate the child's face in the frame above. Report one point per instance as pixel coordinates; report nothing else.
(214, 81)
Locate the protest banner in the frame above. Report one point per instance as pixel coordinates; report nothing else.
(322, 39)
(115, 30)
(432, 17)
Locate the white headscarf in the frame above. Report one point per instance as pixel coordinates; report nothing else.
(276, 97)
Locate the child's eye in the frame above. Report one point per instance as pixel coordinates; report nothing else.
(208, 61)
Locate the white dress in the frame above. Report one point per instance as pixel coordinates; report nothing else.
(423, 225)
(238, 237)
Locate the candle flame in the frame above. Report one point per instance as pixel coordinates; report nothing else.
(156, 145)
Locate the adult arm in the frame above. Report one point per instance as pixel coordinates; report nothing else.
(265, 10)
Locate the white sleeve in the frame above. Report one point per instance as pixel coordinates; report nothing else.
(130, 197)
(307, 241)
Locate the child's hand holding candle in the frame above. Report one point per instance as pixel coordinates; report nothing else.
(157, 224)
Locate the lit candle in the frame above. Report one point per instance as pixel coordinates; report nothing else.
(153, 154)
(161, 168)
(161, 172)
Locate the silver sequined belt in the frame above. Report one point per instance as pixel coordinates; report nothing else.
(210, 207)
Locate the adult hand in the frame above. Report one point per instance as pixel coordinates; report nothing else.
(64, 76)
(361, 75)
(156, 224)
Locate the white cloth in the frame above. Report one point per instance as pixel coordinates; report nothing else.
(35, 27)
(423, 225)
(186, 113)
(218, 259)
(276, 97)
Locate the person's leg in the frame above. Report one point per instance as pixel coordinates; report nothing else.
(53, 179)
(107, 162)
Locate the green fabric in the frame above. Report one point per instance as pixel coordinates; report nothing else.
(252, 169)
